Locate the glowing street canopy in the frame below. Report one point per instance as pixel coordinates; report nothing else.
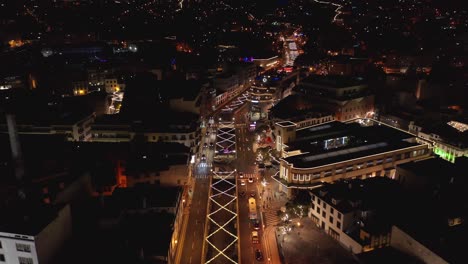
(223, 186)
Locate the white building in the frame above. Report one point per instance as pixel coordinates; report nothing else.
(341, 210)
(449, 140)
(27, 243)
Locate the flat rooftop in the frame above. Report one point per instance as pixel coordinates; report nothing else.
(333, 81)
(353, 141)
(25, 218)
(297, 107)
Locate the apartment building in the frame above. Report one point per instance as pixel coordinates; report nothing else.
(35, 236)
(347, 211)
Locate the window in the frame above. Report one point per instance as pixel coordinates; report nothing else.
(339, 216)
(331, 219)
(312, 197)
(318, 201)
(324, 206)
(318, 210)
(312, 206)
(23, 260)
(324, 214)
(338, 224)
(331, 210)
(23, 247)
(0, 244)
(2, 257)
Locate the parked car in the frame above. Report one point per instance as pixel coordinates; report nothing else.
(256, 225)
(258, 255)
(250, 180)
(241, 175)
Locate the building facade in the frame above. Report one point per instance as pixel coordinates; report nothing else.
(346, 151)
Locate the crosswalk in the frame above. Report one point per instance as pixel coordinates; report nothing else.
(271, 217)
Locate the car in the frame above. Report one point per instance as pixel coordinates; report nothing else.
(250, 180)
(242, 182)
(203, 157)
(252, 194)
(256, 225)
(205, 145)
(258, 255)
(255, 239)
(241, 175)
(211, 145)
(207, 133)
(261, 166)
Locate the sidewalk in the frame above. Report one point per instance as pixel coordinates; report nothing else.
(309, 244)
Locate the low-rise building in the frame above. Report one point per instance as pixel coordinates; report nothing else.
(432, 220)
(347, 97)
(335, 150)
(299, 110)
(175, 127)
(34, 235)
(348, 211)
(450, 140)
(183, 95)
(165, 206)
(74, 127)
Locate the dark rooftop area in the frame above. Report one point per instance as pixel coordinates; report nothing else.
(25, 218)
(146, 196)
(186, 89)
(355, 141)
(366, 194)
(296, 107)
(333, 81)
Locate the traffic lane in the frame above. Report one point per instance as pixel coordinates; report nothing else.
(194, 234)
(246, 227)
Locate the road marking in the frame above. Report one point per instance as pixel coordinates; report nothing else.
(193, 243)
(190, 260)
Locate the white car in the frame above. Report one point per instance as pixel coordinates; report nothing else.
(241, 175)
(242, 182)
(250, 180)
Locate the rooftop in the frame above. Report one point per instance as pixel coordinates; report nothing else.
(146, 197)
(336, 142)
(185, 89)
(296, 107)
(333, 81)
(349, 195)
(26, 219)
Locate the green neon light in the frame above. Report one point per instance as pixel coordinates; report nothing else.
(444, 154)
